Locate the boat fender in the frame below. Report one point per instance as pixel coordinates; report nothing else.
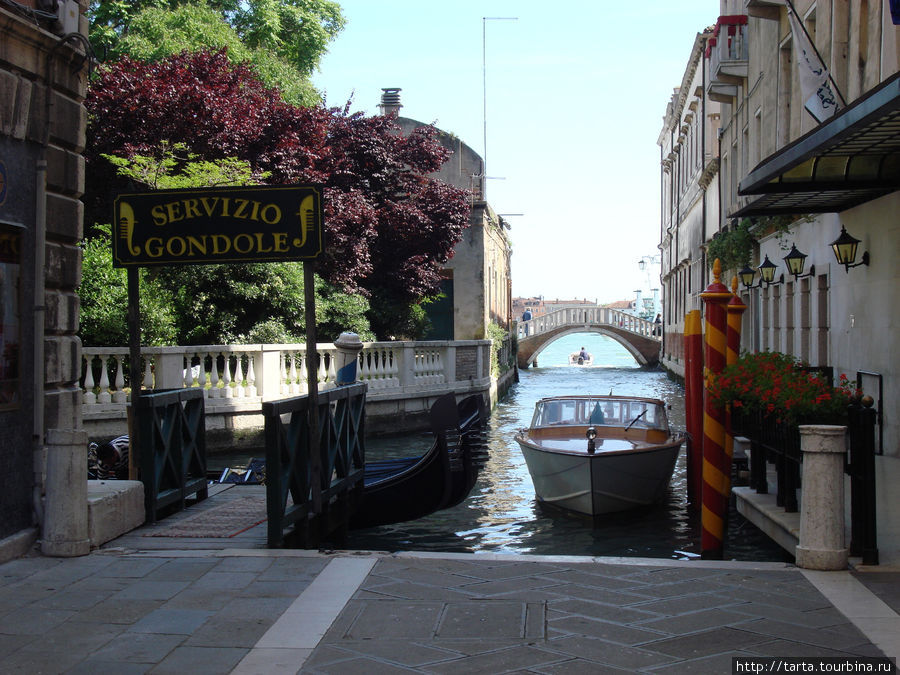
(591, 434)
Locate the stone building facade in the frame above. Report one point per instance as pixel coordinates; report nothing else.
(797, 180)
(43, 77)
(689, 160)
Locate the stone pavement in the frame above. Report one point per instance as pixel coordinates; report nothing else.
(210, 609)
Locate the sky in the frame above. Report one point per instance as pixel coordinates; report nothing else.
(568, 98)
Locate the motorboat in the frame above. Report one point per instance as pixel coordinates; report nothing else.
(600, 454)
(398, 490)
(579, 359)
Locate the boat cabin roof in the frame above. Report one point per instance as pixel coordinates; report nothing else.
(600, 411)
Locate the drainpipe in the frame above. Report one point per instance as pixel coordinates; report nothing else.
(703, 122)
(40, 236)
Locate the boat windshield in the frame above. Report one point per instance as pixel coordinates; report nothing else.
(609, 412)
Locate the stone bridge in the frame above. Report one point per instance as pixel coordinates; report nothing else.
(637, 335)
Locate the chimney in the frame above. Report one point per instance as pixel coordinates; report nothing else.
(390, 100)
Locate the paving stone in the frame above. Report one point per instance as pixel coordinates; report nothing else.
(167, 621)
(837, 637)
(151, 590)
(717, 663)
(706, 643)
(511, 585)
(293, 569)
(33, 620)
(218, 580)
(76, 636)
(255, 564)
(606, 630)
(359, 665)
(787, 648)
(603, 595)
(815, 618)
(577, 667)
(119, 611)
(288, 588)
(255, 608)
(413, 591)
(696, 621)
(510, 659)
(396, 619)
(599, 610)
(490, 619)
(608, 653)
(398, 652)
(182, 570)
(138, 648)
(131, 568)
(40, 662)
(10, 644)
(75, 600)
(677, 607)
(417, 575)
(234, 632)
(200, 661)
(92, 667)
(585, 579)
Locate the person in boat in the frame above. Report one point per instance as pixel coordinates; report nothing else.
(583, 354)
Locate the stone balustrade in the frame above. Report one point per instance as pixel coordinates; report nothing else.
(238, 378)
(584, 316)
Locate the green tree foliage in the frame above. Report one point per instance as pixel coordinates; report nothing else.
(389, 225)
(283, 40)
(104, 300)
(205, 304)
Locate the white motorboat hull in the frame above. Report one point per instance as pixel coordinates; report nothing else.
(605, 482)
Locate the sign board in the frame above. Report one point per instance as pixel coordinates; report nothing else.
(272, 223)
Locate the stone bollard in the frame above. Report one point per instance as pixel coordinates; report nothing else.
(348, 348)
(66, 506)
(821, 545)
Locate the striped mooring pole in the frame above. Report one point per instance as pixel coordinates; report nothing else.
(735, 309)
(693, 396)
(716, 465)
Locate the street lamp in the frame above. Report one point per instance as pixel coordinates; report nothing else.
(642, 263)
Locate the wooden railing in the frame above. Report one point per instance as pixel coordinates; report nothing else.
(171, 436)
(308, 495)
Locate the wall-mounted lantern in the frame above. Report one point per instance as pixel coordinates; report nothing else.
(767, 273)
(844, 248)
(795, 261)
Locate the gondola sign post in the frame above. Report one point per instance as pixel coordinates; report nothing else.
(279, 223)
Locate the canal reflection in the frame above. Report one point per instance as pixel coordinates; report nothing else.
(502, 515)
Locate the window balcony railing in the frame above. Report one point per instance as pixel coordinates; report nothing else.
(728, 55)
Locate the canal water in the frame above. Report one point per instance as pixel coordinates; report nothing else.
(501, 514)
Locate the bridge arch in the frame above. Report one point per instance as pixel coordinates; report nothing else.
(638, 336)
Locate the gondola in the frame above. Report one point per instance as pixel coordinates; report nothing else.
(398, 490)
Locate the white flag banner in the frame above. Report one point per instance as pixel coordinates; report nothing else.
(815, 85)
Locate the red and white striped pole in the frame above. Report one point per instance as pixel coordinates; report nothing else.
(716, 465)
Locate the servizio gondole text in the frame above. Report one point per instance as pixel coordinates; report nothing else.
(216, 226)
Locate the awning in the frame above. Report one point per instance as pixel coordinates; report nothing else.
(850, 159)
